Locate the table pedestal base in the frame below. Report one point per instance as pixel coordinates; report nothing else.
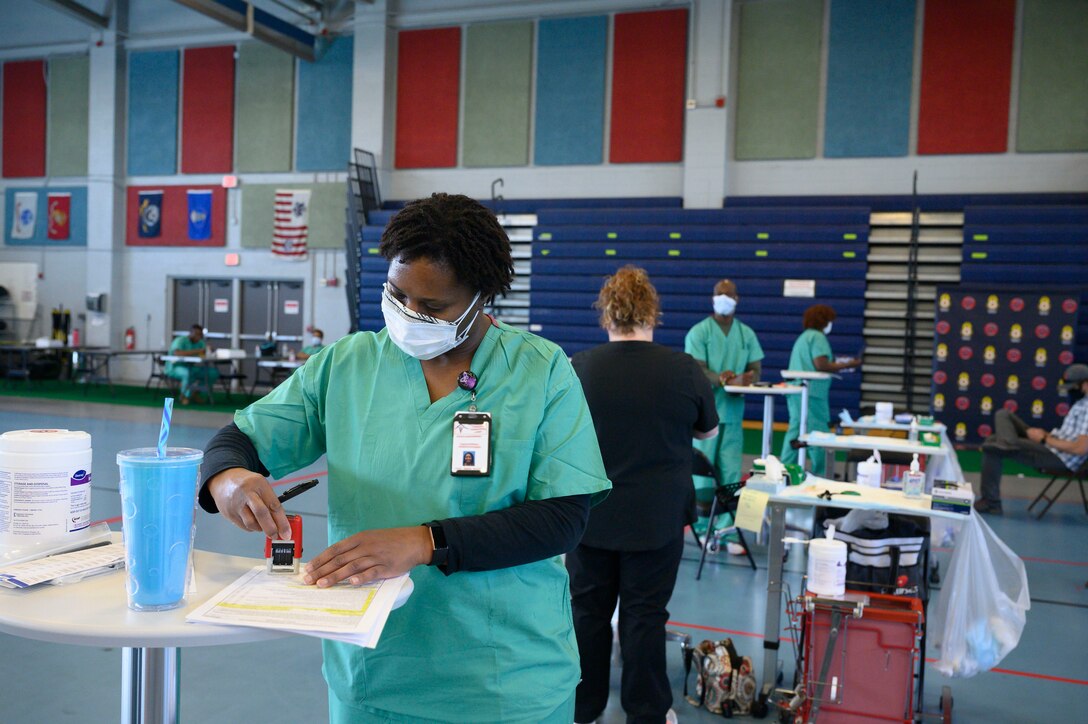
(149, 685)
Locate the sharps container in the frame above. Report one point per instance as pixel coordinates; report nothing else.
(45, 485)
(827, 565)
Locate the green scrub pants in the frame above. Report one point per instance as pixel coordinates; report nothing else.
(818, 421)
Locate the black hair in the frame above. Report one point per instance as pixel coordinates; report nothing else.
(457, 232)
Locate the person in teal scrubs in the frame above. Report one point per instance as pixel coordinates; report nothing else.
(487, 634)
(189, 374)
(730, 353)
(317, 343)
(812, 353)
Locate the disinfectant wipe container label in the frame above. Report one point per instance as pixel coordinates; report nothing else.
(79, 498)
(40, 503)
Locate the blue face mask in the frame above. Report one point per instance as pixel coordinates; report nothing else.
(724, 304)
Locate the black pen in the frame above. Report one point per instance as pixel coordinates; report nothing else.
(297, 490)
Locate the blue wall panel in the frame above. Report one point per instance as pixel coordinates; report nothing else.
(870, 55)
(323, 140)
(77, 225)
(570, 91)
(153, 113)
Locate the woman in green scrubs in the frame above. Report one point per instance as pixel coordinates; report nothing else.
(487, 634)
(812, 353)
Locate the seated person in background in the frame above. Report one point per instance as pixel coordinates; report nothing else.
(317, 343)
(1066, 447)
(187, 373)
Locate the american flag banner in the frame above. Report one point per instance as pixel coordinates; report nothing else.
(291, 228)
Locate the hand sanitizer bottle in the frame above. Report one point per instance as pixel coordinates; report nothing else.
(914, 482)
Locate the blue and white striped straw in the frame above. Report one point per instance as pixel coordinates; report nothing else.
(164, 430)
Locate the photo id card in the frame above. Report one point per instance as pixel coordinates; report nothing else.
(471, 444)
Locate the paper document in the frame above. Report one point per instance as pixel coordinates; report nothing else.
(753, 503)
(353, 614)
(64, 567)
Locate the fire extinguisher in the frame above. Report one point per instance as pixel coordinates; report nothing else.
(130, 338)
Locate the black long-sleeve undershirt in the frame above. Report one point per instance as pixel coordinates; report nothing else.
(523, 533)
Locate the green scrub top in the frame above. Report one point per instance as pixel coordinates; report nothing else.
(473, 646)
(734, 351)
(812, 344)
(182, 344)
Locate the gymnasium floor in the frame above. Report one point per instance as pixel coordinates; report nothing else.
(1044, 679)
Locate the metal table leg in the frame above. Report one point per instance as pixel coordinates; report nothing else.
(772, 619)
(149, 685)
(768, 424)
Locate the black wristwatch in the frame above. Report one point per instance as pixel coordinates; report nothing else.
(441, 549)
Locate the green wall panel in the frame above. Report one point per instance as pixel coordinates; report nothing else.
(264, 107)
(498, 84)
(1053, 112)
(327, 205)
(778, 72)
(68, 108)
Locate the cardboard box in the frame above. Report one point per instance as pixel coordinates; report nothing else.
(953, 497)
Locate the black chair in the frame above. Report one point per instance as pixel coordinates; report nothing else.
(158, 375)
(722, 500)
(1065, 476)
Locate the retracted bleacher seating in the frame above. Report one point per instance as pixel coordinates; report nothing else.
(686, 252)
(1030, 246)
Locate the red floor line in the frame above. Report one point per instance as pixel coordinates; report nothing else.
(1032, 675)
(278, 483)
(681, 624)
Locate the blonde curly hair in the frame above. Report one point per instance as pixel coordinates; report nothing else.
(628, 300)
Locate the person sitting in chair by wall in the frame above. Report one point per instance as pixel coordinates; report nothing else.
(317, 343)
(1065, 447)
(187, 373)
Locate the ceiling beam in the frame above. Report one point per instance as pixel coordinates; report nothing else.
(79, 12)
(260, 24)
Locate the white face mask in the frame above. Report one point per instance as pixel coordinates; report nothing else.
(827, 329)
(317, 341)
(724, 304)
(419, 335)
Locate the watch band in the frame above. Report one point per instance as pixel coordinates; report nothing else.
(441, 549)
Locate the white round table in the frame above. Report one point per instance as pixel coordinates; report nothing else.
(95, 612)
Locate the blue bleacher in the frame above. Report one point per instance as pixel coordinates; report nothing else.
(1043, 245)
(903, 202)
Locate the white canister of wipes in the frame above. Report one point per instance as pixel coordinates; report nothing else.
(827, 565)
(871, 471)
(883, 412)
(45, 484)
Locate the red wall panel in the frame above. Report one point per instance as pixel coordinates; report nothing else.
(24, 118)
(174, 227)
(966, 76)
(649, 61)
(428, 91)
(207, 110)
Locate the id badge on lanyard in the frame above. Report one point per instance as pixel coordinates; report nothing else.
(471, 444)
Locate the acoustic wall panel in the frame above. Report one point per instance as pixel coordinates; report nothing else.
(265, 98)
(324, 110)
(570, 75)
(428, 92)
(778, 86)
(207, 110)
(498, 86)
(153, 113)
(69, 105)
(649, 62)
(1053, 107)
(966, 76)
(24, 118)
(869, 69)
(326, 220)
(173, 218)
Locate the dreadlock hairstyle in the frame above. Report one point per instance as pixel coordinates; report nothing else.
(455, 231)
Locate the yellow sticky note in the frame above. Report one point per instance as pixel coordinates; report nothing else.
(750, 510)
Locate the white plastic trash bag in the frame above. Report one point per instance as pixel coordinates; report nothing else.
(983, 605)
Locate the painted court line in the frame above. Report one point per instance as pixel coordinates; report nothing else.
(1010, 672)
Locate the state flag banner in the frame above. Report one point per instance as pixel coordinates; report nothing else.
(150, 216)
(200, 215)
(24, 214)
(59, 214)
(291, 228)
